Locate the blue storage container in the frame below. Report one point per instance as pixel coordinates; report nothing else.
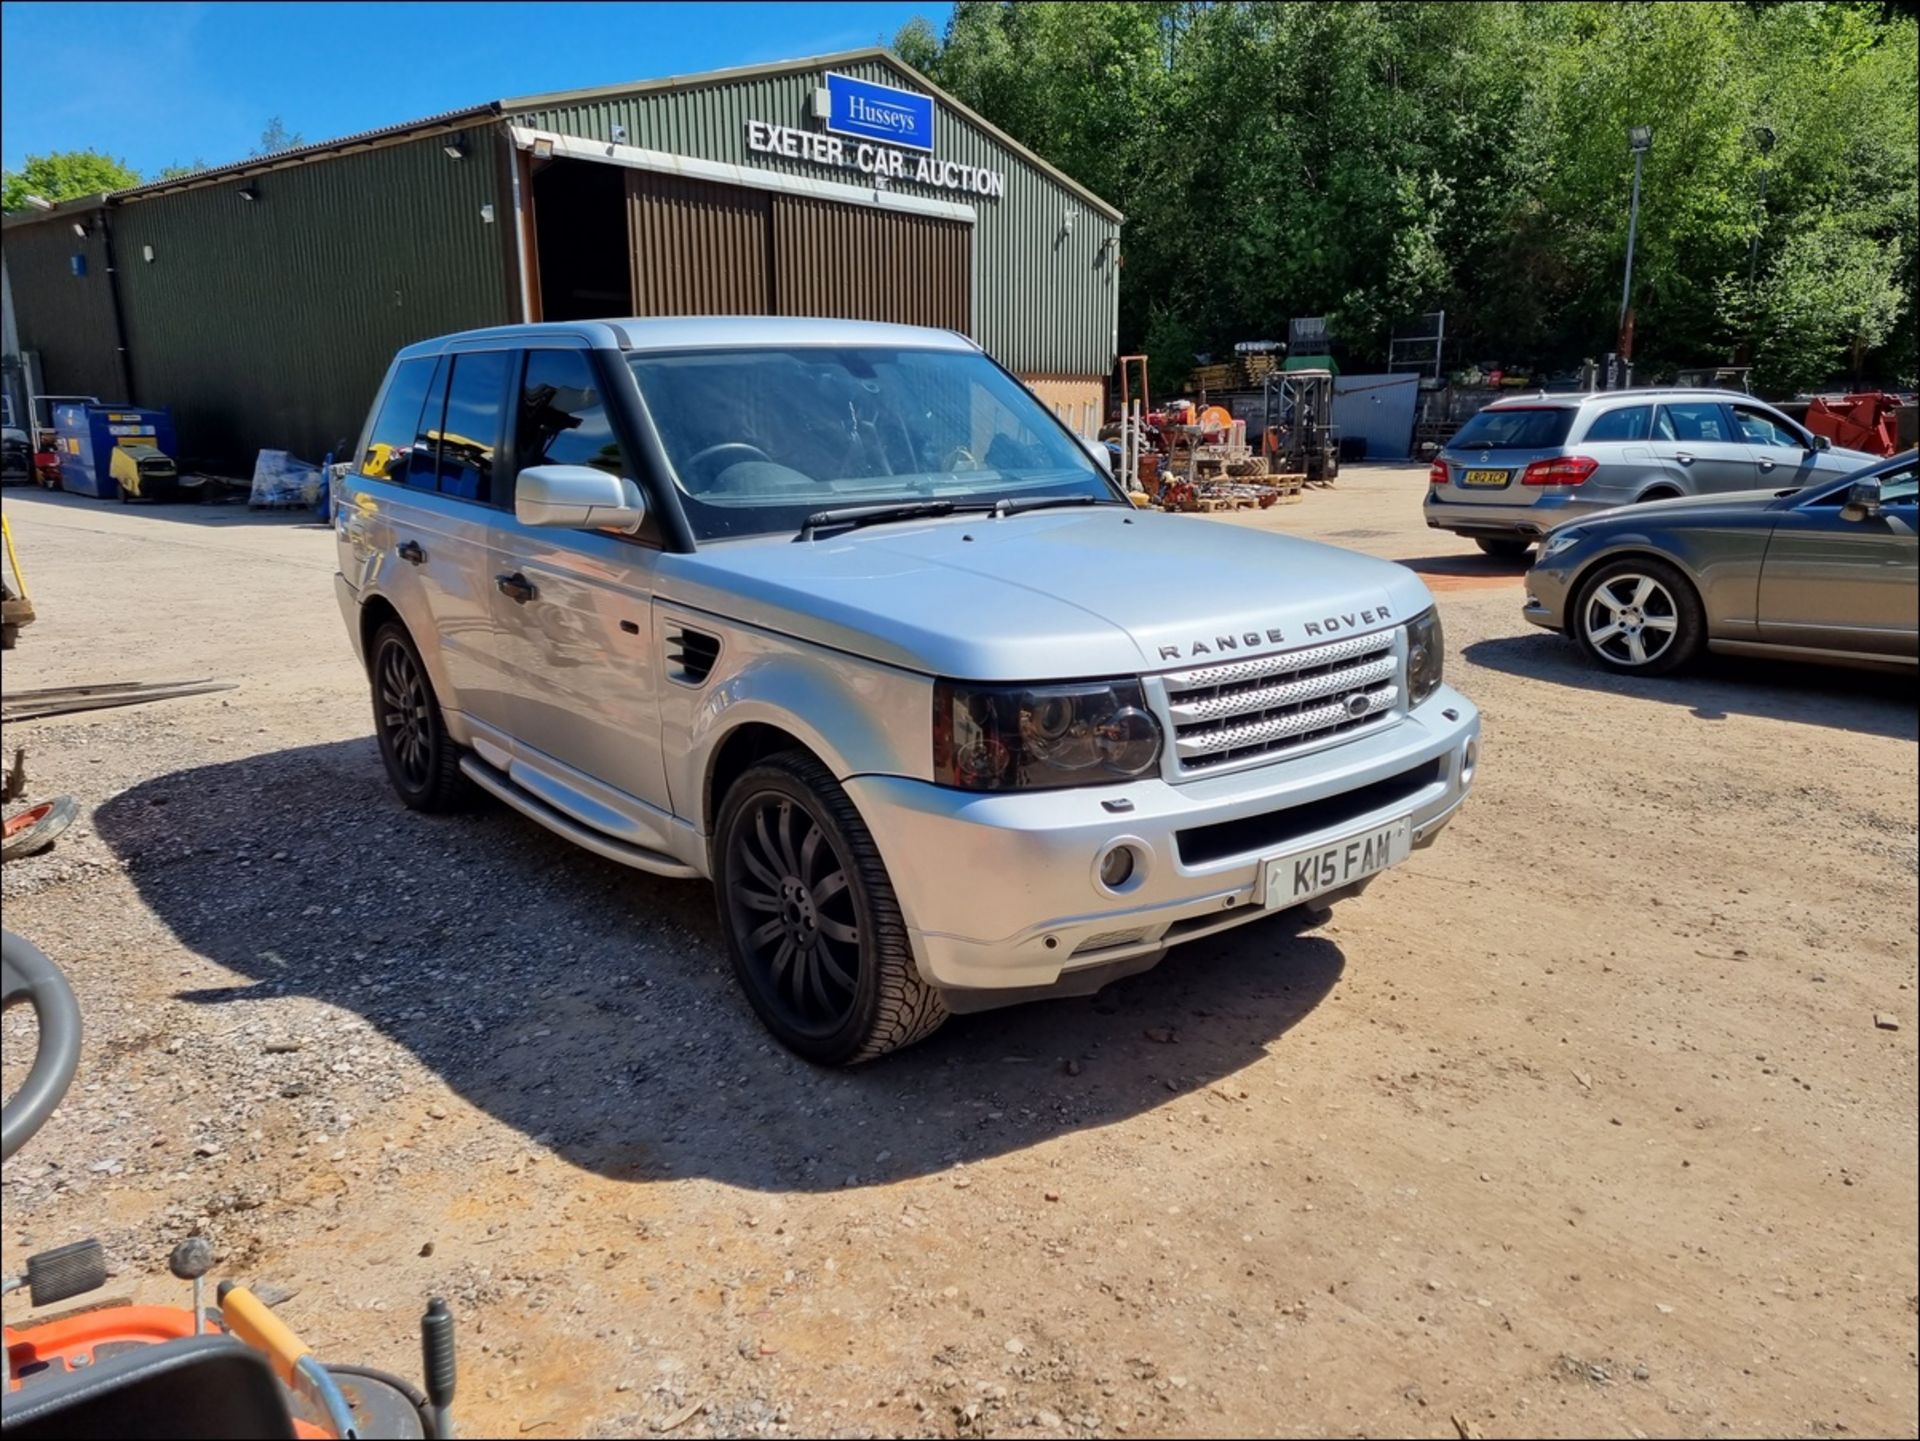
(86, 436)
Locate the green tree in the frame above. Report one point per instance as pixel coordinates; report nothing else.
(1370, 161)
(168, 172)
(276, 137)
(65, 175)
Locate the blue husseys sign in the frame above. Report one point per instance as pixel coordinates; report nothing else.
(868, 111)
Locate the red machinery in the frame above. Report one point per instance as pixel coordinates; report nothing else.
(1857, 422)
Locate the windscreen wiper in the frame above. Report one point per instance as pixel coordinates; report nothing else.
(852, 517)
(1048, 502)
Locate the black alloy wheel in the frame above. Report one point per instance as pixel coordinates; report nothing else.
(817, 938)
(421, 759)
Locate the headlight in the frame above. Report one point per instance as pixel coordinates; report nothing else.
(1559, 541)
(1426, 655)
(1031, 737)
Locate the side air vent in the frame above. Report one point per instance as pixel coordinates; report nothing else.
(690, 655)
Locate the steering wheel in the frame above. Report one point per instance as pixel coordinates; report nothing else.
(30, 977)
(753, 452)
(961, 459)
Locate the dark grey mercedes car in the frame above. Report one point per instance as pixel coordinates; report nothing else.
(1829, 572)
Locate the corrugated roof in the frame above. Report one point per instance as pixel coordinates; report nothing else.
(813, 62)
(261, 164)
(452, 119)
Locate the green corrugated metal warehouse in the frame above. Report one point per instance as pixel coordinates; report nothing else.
(262, 301)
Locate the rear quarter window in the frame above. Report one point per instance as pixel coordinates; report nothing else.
(390, 442)
(1539, 428)
(1628, 423)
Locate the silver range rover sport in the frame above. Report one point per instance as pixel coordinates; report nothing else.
(839, 617)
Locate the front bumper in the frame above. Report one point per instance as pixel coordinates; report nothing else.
(1505, 521)
(1001, 892)
(1549, 594)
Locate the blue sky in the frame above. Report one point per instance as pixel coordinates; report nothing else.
(157, 85)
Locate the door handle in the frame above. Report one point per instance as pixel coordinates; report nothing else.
(516, 587)
(1683, 457)
(1766, 465)
(410, 552)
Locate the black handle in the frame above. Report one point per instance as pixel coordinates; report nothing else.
(516, 587)
(410, 552)
(436, 1353)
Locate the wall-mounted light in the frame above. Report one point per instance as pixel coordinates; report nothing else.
(543, 147)
(80, 229)
(456, 148)
(486, 214)
(146, 253)
(249, 192)
(619, 133)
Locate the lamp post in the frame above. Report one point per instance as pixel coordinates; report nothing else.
(1639, 142)
(1763, 142)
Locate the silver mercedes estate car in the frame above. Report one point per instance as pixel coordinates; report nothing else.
(839, 617)
(1524, 465)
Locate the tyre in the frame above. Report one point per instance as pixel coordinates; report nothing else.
(816, 935)
(421, 759)
(1639, 616)
(1502, 549)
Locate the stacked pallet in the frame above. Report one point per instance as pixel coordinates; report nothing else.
(1256, 367)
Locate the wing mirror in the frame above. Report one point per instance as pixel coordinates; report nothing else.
(1102, 457)
(1863, 501)
(1819, 442)
(577, 497)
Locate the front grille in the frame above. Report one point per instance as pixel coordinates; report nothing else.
(1241, 709)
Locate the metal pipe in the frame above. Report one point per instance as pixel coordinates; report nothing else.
(121, 355)
(1633, 225)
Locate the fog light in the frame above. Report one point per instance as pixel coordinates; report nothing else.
(1469, 757)
(1116, 867)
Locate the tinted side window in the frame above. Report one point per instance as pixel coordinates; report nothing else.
(563, 418)
(1697, 420)
(1629, 424)
(390, 442)
(424, 456)
(1759, 428)
(470, 433)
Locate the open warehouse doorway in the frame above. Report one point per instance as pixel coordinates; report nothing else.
(614, 240)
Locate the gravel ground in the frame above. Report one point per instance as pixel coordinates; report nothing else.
(1581, 1123)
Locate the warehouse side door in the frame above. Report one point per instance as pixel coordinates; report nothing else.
(862, 263)
(699, 248)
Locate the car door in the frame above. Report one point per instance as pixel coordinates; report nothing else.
(1839, 584)
(1696, 445)
(573, 609)
(435, 525)
(1784, 456)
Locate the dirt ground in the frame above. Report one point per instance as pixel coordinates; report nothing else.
(1580, 1124)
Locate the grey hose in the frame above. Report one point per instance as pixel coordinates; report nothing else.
(29, 976)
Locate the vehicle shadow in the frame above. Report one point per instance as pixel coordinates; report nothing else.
(1869, 702)
(1470, 564)
(228, 512)
(592, 1008)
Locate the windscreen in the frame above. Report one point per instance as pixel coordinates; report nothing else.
(1541, 428)
(759, 439)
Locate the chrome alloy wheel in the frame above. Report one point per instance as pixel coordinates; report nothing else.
(1631, 619)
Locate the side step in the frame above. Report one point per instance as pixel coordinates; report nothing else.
(641, 859)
